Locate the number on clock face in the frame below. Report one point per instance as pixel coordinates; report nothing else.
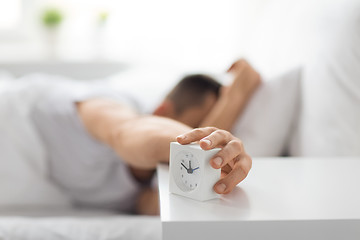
(189, 170)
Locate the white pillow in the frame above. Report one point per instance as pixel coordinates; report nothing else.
(266, 123)
(329, 124)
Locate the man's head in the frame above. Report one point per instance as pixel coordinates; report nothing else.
(190, 100)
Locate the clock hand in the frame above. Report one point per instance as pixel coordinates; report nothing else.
(195, 168)
(190, 170)
(184, 167)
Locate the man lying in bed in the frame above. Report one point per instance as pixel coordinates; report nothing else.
(103, 153)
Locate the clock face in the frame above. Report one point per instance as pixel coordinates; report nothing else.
(191, 174)
(188, 171)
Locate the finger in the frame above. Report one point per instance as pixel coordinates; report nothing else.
(239, 173)
(225, 170)
(223, 174)
(195, 135)
(218, 138)
(232, 149)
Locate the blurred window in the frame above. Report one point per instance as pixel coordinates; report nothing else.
(10, 14)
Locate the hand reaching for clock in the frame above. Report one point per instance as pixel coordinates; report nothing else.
(234, 162)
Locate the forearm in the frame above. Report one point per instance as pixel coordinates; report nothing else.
(144, 142)
(141, 141)
(225, 112)
(232, 102)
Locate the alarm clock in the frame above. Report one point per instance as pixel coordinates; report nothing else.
(191, 174)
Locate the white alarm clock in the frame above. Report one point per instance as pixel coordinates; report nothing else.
(191, 174)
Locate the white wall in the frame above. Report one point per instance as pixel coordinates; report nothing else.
(198, 34)
(195, 34)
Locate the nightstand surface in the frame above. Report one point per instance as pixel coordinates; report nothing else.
(281, 198)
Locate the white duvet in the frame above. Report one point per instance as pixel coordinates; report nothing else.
(23, 175)
(29, 202)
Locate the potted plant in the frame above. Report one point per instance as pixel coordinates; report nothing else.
(100, 38)
(52, 19)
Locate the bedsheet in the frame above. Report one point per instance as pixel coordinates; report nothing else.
(100, 228)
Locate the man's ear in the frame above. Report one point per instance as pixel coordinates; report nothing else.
(165, 109)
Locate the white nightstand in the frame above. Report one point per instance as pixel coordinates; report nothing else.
(282, 198)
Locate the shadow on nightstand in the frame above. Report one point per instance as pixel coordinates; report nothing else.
(237, 202)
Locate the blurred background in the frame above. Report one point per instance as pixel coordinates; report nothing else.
(201, 35)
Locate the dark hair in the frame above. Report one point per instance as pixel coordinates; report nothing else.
(192, 90)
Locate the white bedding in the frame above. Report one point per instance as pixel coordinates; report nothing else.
(329, 123)
(23, 175)
(33, 208)
(323, 36)
(267, 121)
(78, 228)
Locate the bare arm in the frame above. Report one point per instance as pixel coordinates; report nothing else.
(142, 141)
(233, 99)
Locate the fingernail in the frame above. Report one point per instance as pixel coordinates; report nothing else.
(218, 161)
(220, 188)
(181, 137)
(207, 142)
